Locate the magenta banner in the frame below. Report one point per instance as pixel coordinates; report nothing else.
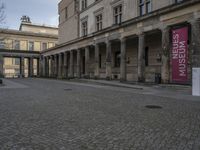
(179, 55)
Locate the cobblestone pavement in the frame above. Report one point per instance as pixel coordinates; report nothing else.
(43, 114)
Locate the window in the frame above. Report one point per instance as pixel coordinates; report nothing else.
(84, 28)
(99, 23)
(76, 3)
(31, 46)
(117, 14)
(84, 4)
(44, 46)
(16, 61)
(100, 61)
(178, 1)
(66, 13)
(145, 7)
(2, 43)
(17, 45)
(117, 59)
(146, 56)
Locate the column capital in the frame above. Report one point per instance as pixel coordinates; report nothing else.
(123, 39)
(194, 21)
(164, 28)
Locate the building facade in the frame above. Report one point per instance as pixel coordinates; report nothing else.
(20, 49)
(134, 40)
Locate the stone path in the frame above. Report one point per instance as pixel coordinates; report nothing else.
(60, 115)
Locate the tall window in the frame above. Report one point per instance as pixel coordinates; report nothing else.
(179, 1)
(76, 4)
(117, 14)
(2, 43)
(100, 61)
(146, 56)
(16, 61)
(44, 46)
(145, 7)
(66, 13)
(117, 59)
(84, 28)
(84, 4)
(99, 23)
(31, 46)
(17, 45)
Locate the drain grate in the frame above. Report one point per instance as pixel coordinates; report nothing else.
(67, 89)
(153, 107)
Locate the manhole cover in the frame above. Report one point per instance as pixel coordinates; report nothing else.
(153, 107)
(67, 89)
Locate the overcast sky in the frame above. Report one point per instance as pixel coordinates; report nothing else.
(40, 12)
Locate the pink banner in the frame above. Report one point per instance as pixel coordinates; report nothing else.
(179, 55)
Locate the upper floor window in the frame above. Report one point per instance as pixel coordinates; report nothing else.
(44, 46)
(178, 1)
(31, 46)
(66, 13)
(144, 6)
(84, 28)
(76, 5)
(17, 45)
(99, 22)
(117, 14)
(84, 4)
(2, 44)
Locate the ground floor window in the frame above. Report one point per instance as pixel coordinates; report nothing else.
(117, 59)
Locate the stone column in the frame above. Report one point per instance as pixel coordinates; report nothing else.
(79, 63)
(22, 67)
(40, 66)
(44, 66)
(71, 64)
(55, 66)
(165, 76)
(31, 69)
(97, 61)
(141, 61)
(1, 66)
(123, 60)
(60, 66)
(52, 67)
(47, 66)
(108, 61)
(195, 43)
(65, 68)
(87, 62)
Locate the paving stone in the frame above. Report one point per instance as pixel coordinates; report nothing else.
(39, 114)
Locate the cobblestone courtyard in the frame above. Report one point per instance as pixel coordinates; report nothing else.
(42, 114)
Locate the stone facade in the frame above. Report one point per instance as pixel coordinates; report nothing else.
(135, 47)
(20, 49)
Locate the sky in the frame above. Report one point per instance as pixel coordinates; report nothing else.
(39, 11)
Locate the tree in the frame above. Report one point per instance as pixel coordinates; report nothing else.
(2, 13)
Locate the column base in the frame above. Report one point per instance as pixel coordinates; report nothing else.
(141, 79)
(108, 78)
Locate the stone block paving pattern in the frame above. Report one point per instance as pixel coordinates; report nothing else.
(41, 114)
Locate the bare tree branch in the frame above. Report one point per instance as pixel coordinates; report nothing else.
(2, 12)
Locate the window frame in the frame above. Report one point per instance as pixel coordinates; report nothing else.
(29, 49)
(84, 27)
(145, 7)
(99, 22)
(118, 14)
(15, 44)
